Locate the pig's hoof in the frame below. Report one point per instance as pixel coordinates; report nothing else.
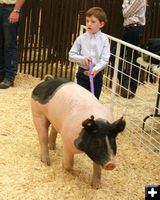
(52, 146)
(95, 186)
(67, 167)
(45, 160)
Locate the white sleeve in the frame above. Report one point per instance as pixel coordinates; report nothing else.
(74, 53)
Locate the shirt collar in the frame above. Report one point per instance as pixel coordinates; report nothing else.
(94, 34)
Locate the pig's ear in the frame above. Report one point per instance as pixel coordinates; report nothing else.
(119, 125)
(89, 124)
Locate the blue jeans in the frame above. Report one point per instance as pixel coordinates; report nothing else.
(133, 36)
(84, 81)
(8, 45)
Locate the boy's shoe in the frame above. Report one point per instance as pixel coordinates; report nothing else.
(131, 96)
(6, 84)
(126, 91)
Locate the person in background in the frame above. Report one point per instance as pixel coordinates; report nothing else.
(10, 14)
(134, 19)
(93, 45)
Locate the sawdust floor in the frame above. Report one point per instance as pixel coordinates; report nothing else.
(24, 177)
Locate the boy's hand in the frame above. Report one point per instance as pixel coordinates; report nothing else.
(86, 61)
(94, 72)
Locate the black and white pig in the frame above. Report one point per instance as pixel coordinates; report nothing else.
(85, 125)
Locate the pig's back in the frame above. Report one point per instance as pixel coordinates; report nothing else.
(77, 102)
(44, 91)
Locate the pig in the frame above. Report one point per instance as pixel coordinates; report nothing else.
(85, 125)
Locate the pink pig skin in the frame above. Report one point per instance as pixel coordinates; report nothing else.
(66, 110)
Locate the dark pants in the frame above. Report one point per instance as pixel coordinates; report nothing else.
(84, 81)
(133, 36)
(8, 45)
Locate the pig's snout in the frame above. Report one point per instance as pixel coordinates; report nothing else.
(109, 166)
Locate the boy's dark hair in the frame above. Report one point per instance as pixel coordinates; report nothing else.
(97, 12)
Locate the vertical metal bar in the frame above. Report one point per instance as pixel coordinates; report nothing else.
(115, 76)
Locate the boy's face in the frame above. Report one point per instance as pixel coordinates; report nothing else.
(93, 24)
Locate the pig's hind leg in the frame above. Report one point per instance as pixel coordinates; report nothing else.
(42, 124)
(52, 138)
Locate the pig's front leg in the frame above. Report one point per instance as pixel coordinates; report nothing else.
(96, 178)
(68, 158)
(52, 138)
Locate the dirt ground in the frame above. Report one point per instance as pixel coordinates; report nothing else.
(24, 177)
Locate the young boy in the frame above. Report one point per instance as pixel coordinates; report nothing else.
(93, 46)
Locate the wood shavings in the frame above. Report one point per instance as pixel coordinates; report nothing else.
(23, 176)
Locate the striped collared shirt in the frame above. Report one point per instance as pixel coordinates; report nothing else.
(8, 1)
(134, 12)
(95, 46)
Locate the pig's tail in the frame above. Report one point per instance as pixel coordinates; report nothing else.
(47, 77)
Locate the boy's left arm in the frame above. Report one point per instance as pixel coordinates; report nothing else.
(104, 58)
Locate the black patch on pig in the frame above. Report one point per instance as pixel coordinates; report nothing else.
(44, 91)
(92, 138)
